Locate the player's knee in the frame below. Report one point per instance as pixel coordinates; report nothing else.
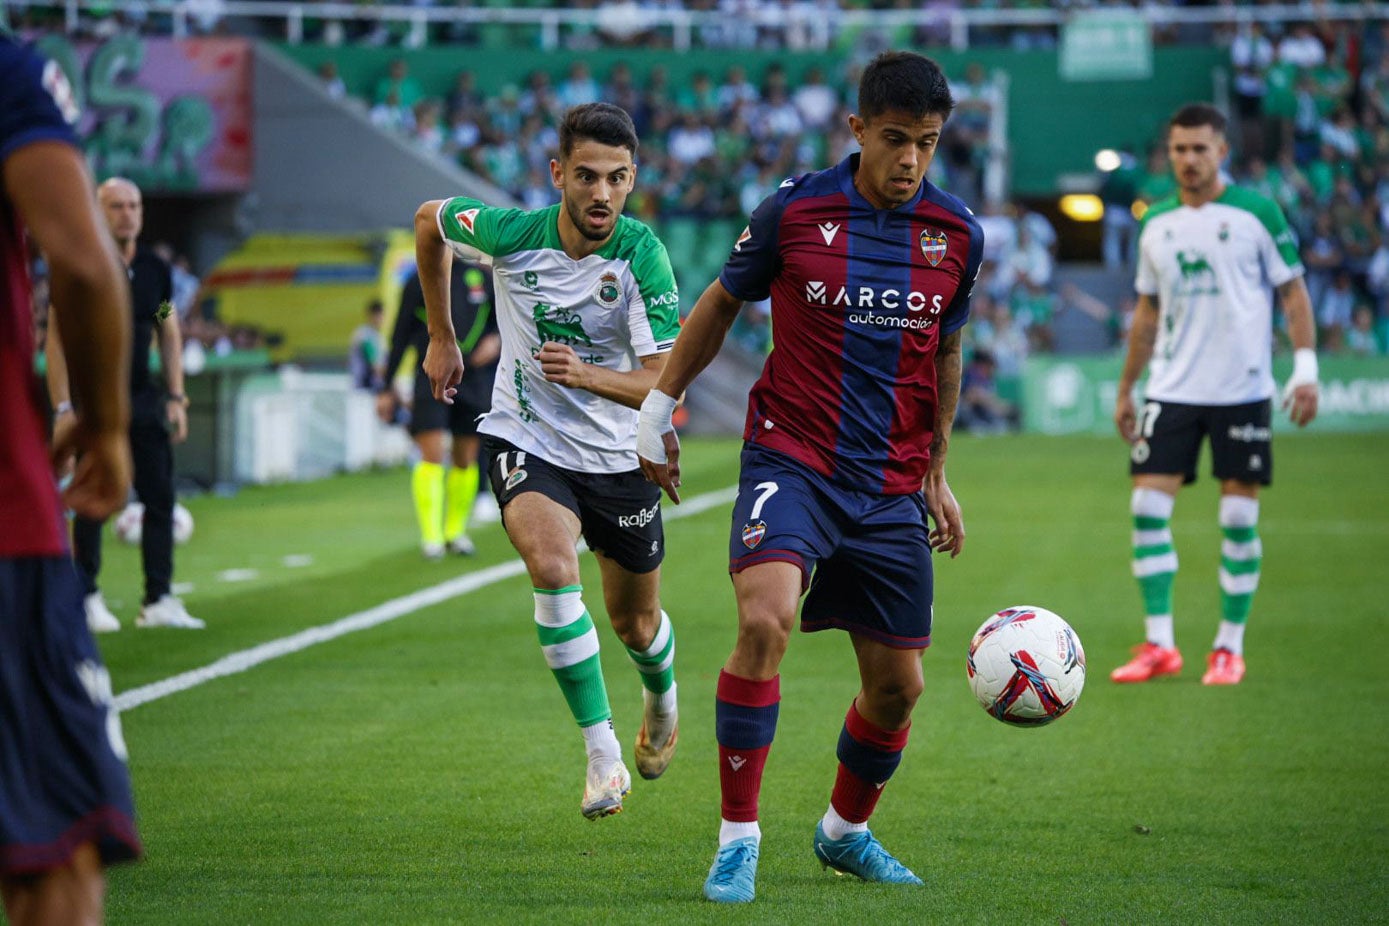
(551, 569)
(895, 698)
(763, 635)
(636, 626)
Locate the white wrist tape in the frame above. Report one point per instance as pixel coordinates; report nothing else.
(1304, 370)
(652, 422)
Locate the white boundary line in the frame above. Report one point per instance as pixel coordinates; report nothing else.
(364, 620)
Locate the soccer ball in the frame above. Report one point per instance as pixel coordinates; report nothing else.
(1026, 666)
(129, 524)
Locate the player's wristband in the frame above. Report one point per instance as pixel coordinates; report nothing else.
(652, 422)
(1304, 366)
(178, 397)
(62, 408)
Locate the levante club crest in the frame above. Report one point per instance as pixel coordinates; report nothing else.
(753, 532)
(933, 245)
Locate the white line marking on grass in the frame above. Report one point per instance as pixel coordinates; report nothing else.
(364, 620)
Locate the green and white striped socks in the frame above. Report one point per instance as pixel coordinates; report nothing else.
(656, 664)
(1241, 556)
(570, 644)
(1154, 561)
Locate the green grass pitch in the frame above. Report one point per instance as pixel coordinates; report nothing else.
(426, 771)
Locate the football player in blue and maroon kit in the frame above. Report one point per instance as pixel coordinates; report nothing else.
(869, 269)
(65, 803)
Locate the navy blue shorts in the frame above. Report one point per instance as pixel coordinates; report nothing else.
(619, 513)
(63, 778)
(865, 558)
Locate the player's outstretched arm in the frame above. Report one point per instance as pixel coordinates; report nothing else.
(443, 361)
(49, 185)
(1301, 394)
(1142, 337)
(704, 331)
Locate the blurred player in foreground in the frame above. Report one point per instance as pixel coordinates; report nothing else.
(1209, 259)
(588, 309)
(65, 803)
(870, 269)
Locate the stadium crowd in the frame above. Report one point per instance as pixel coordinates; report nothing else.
(1310, 128)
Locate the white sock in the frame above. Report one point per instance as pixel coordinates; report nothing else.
(663, 703)
(836, 827)
(729, 831)
(1230, 636)
(1160, 630)
(601, 742)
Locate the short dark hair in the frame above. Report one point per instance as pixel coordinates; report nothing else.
(906, 82)
(1195, 115)
(601, 122)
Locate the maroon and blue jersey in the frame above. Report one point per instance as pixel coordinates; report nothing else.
(860, 300)
(31, 92)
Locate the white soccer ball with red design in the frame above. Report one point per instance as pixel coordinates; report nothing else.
(1026, 666)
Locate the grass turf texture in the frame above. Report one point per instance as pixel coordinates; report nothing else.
(426, 771)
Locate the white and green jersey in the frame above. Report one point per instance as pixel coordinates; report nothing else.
(1213, 270)
(612, 307)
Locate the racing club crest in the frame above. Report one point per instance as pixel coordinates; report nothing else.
(933, 245)
(608, 291)
(753, 532)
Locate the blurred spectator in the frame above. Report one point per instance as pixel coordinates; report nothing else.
(1251, 55)
(366, 351)
(1333, 311)
(579, 87)
(1118, 192)
(392, 114)
(981, 410)
(1301, 47)
(736, 92)
(398, 81)
(464, 97)
(332, 81)
(1361, 339)
(816, 101)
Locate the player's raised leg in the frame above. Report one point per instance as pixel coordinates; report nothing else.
(544, 532)
(1241, 557)
(634, 607)
(1155, 567)
(748, 699)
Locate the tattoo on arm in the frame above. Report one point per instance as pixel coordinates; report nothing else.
(948, 370)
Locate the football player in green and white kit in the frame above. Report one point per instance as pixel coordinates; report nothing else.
(588, 310)
(1209, 259)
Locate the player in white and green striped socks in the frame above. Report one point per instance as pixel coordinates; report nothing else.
(588, 308)
(1210, 261)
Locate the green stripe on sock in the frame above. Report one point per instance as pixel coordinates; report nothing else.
(1157, 593)
(1240, 567)
(1235, 608)
(583, 689)
(558, 591)
(549, 636)
(656, 682)
(1157, 549)
(1145, 523)
(1240, 534)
